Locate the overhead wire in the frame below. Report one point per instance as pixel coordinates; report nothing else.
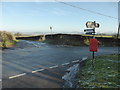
(86, 9)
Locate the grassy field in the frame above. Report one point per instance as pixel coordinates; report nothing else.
(103, 75)
(104, 36)
(98, 35)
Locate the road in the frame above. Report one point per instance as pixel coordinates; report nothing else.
(39, 65)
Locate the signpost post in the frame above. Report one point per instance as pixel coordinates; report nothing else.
(51, 31)
(93, 42)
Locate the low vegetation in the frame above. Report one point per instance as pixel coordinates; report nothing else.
(103, 35)
(7, 39)
(105, 74)
(80, 40)
(18, 34)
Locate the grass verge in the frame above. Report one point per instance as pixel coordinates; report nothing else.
(7, 39)
(103, 75)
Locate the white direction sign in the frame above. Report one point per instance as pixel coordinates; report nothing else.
(90, 24)
(89, 31)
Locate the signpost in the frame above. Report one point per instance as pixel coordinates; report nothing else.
(51, 31)
(89, 31)
(90, 24)
(93, 42)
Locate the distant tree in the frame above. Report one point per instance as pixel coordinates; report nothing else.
(18, 34)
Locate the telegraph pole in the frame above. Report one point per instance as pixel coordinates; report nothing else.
(118, 31)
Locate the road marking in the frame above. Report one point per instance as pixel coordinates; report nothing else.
(0, 80)
(84, 58)
(17, 76)
(75, 61)
(65, 64)
(54, 66)
(38, 70)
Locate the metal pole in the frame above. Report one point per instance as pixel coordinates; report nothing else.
(93, 55)
(93, 60)
(51, 31)
(93, 51)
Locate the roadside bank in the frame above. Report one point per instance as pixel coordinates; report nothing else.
(79, 40)
(105, 73)
(7, 39)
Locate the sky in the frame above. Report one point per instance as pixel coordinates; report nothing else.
(39, 16)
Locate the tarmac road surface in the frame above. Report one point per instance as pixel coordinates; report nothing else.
(39, 65)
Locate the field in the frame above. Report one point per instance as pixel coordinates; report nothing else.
(104, 36)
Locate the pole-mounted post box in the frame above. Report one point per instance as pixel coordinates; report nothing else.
(93, 45)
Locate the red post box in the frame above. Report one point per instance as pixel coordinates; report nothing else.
(93, 45)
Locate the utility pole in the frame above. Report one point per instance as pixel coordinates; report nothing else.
(118, 31)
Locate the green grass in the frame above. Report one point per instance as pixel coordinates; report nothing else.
(108, 36)
(0, 44)
(16, 40)
(104, 36)
(104, 75)
(7, 44)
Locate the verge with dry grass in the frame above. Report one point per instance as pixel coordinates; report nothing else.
(7, 39)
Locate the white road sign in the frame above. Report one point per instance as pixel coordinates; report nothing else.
(90, 24)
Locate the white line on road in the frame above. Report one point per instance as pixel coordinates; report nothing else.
(84, 58)
(65, 64)
(54, 66)
(75, 61)
(17, 76)
(38, 70)
(0, 80)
